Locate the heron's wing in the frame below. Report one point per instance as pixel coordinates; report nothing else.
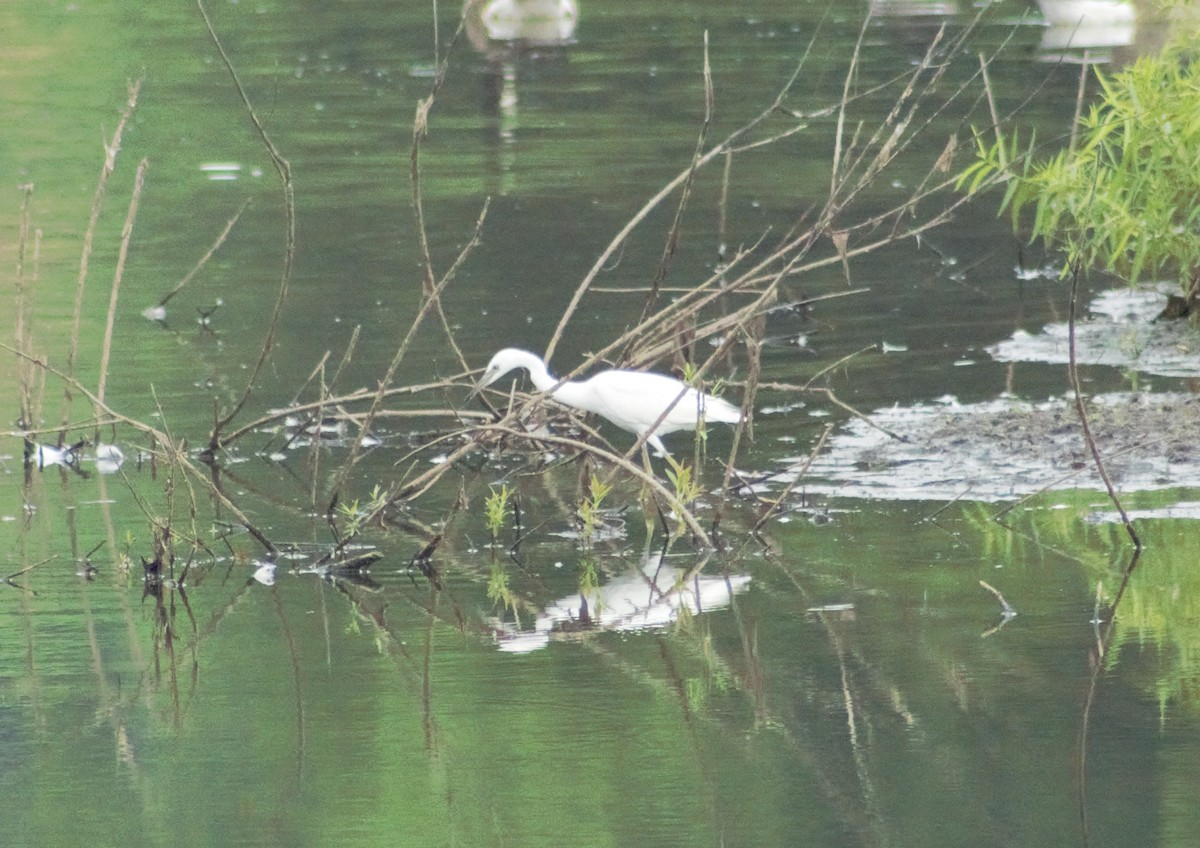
(634, 400)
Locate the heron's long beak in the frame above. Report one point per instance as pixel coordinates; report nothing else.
(476, 392)
(480, 384)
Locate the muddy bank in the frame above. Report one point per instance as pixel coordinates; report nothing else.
(1007, 448)
(1121, 330)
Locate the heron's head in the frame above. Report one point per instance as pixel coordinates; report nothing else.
(500, 364)
(504, 361)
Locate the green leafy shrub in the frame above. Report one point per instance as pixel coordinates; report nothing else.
(1125, 196)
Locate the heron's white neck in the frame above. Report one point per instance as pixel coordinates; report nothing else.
(531, 362)
(570, 393)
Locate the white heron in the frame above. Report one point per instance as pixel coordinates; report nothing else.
(633, 400)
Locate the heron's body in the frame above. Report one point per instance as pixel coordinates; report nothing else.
(633, 400)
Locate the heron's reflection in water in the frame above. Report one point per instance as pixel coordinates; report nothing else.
(1085, 30)
(511, 34)
(531, 22)
(643, 598)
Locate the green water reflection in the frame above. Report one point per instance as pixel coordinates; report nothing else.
(860, 687)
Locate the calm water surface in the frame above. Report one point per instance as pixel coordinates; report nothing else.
(843, 680)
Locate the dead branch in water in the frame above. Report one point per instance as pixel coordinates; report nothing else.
(284, 169)
(672, 242)
(21, 331)
(167, 449)
(111, 149)
(420, 130)
(216, 245)
(431, 301)
(431, 287)
(111, 316)
(1084, 424)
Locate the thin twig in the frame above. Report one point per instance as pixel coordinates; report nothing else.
(420, 129)
(274, 416)
(1005, 607)
(8, 578)
(111, 317)
(1081, 411)
(431, 301)
(284, 170)
(947, 505)
(618, 240)
(111, 148)
(672, 242)
(840, 129)
(991, 101)
(22, 323)
(774, 505)
(172, 451)
(1084, 67)
(216, 245)
(723, 206)
(1068, 476)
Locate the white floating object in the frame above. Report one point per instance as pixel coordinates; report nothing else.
(265, 573)
(831, 608)
(221, 171)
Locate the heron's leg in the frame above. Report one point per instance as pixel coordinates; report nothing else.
(646, 460)
(646, 497)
